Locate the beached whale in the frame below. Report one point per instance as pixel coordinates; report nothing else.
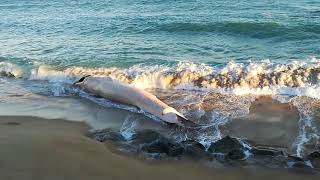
(124, 93)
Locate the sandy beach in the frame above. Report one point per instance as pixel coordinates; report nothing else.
(34, 148)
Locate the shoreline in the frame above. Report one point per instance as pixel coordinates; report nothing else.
(36, 148)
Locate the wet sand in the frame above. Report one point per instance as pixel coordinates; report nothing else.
(34, 148)
(269, 123)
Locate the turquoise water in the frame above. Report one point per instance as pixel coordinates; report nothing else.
(102, 33)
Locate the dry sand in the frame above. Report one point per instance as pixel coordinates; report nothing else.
(33, 148)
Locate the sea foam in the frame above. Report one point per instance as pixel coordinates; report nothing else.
(263, 78)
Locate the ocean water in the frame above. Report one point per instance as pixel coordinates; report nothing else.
(183, 51)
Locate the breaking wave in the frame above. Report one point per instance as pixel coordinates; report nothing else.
(11, 70)
(264, 78)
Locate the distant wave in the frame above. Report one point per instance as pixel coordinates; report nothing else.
(252, 29)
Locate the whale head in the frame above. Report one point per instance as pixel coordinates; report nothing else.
(172, 116)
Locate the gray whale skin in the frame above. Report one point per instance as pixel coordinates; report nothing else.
(124, 93)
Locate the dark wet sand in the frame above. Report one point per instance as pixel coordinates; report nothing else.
(270, 123)
(34, 148)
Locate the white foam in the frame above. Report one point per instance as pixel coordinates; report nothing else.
(48, 73)
(263, 78)
(231, 107)
(128, 128)
(10, 69)
(226, 108)
(307, 129)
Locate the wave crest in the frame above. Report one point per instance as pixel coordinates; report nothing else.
(295, 78)
(11, 70)
(233, 75)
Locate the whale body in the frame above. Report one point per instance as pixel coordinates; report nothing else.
(124, 93)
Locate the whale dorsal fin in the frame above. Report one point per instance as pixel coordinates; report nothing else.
(81, 80)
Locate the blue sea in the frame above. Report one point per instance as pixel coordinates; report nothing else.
(182, 51)
(101, 33)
